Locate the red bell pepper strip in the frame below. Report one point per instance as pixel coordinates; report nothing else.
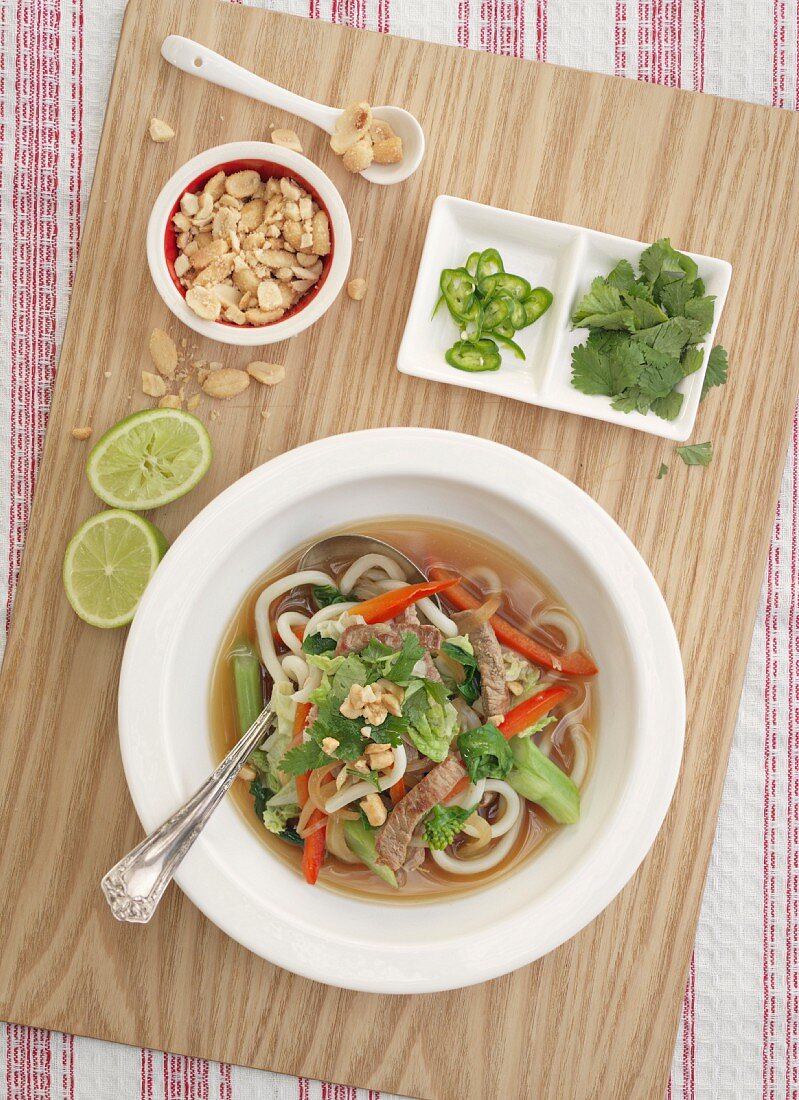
(520, 718)
(570, 664)
(389, 604)
(397, 792)
(313, 849)
(300, 721)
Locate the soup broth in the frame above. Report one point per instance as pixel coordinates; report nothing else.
(528, 603)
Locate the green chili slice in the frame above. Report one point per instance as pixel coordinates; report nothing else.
(457, 287)
(472, 262)
(536, 304)
(512, 286)
(474, 355)
(495, 312)
(508, 343)
(490, 263)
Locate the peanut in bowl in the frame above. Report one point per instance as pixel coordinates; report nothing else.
(236, 287)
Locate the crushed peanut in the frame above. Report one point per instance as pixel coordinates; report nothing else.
(356, 288)
(152, 384)
(170, 401)
(160, 131)
(379, 757)
(369, 703)
(287, 139)
(329, 745)
(249, 249)
(268, 374)
(193, 402)
(247, 773)
(226, 382)
(81, 433)
(163, 353)
(359, 139)
(374, 809)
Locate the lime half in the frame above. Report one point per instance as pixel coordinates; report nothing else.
(149, 458)
(108, 565)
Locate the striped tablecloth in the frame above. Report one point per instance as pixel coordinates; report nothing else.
(739, 1032)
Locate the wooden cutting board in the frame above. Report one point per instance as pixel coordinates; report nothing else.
(598, 1016)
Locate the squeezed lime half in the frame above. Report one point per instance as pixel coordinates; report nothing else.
(109, 563)
(148, 459)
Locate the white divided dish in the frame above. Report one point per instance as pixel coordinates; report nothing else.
(564, 258)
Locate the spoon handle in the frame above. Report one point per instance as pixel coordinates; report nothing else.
(135, 885)
(196, 59)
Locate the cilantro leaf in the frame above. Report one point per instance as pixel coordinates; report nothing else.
(696, 454)
(692, 360)
(622, 277)
(372, 777)
(261, 794)
(700, 311)
(326, 594)
(662, 263)
(668, 407)
(391, 731)
(662, 471)
(608, 372)
(602, 307)
(671, 336)
(443, 824)
(717, 367)
(303, 758)
(674, 296)
(631, 400)
(660, 375)
(393, 664)
(470, 687)
(316, 644)
(645, 313)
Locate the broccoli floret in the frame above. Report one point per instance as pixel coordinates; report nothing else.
(443, 823)
(276, 818)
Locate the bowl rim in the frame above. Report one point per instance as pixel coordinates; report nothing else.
(216, 156)
(635, 820)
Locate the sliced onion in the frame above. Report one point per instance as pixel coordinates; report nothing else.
(581, 756)
(468, 621)
(481, 830)
(336, 842)
(565, 623)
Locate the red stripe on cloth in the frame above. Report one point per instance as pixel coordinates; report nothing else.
(68, 1067)
(383, 16)
(225, 1082)
(502, 27)
(463, 22)
(620, 39)
(146, 1074)
(541, 30)
(688, 1034)
(313, 9)
(769, 809)
(644, 41)
(778, 56)
(34, 256)
(792, 856)
(28, 1063)
(76, 137)
(303, 1091)
(699, 45)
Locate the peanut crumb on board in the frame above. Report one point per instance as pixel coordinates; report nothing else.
(152, 384)
(356, 288)
(160, 131)
(287, 139)
(268, 374)
(106, 374)
(193, 402)
(163, 353)
(81, 433)
(170, 401)
(226, 382)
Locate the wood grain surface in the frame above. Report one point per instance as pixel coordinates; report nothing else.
(597, 1017)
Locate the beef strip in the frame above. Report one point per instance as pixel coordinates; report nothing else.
(395, 836)
(357, 637)
(488, 653)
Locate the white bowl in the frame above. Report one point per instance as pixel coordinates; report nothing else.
(405, 948)
(286, 162)
(564, 258)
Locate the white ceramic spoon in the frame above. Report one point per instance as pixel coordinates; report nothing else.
(198, 60)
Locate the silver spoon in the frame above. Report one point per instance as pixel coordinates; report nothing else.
(196, 59)
(135, 885)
